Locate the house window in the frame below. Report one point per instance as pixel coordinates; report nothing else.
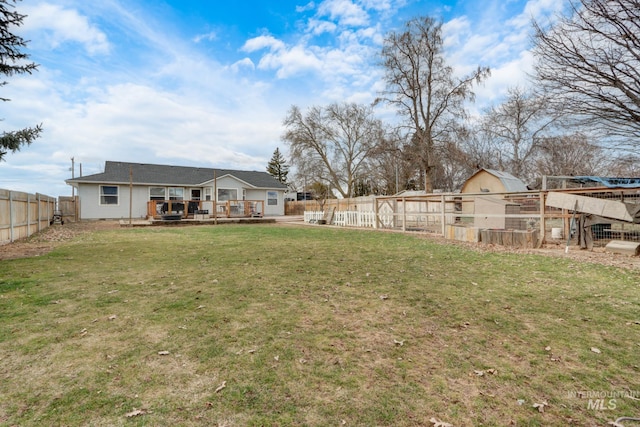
(272, 198)
(195, 193)
(157, 193)
(176, 193)
(225, 194)
(108, 195)
(207, 193)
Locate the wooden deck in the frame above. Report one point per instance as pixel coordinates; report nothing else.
(188, 221)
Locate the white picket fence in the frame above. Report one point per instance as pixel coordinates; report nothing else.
(345, 218)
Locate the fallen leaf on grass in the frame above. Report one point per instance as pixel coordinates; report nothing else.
(488, 371)
(135, 413)
(163, 353)
(398, 343)
(221, 387)
(596, 350)
(540, 406)
(437, 423)
(113, 317)
(384, 297)
(547, 348)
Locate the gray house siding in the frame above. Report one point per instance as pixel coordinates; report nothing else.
(92, 208)
(107, 195)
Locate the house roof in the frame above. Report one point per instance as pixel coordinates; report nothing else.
(511, 183)
(150, 174)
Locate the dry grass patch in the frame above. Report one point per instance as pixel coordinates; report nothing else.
(270, 325)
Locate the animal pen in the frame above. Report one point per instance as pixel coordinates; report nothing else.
(523, 219)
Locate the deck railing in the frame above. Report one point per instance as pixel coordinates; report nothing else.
(204, 209)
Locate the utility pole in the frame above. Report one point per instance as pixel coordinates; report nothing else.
(73, 175)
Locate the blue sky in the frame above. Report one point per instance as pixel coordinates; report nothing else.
(208, 82)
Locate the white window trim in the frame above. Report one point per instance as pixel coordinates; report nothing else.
(191, 193)
(227, 189)
(100, 195)
(165, 192)
(277, 198)
(168, 194)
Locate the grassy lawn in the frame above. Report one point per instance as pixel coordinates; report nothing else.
(281, 325)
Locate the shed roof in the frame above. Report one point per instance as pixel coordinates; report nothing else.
(511, 183)
(150, 174)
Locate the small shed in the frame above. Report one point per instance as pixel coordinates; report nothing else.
(493, 181)
(493, 212)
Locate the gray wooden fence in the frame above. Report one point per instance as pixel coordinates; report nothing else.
(23, 214)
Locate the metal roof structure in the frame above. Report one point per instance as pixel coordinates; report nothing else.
(607, 181)
(151, 174)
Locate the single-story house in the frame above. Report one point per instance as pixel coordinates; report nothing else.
(143, 190)
(493, 181)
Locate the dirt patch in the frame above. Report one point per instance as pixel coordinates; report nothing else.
(46, 240)
(596, 256)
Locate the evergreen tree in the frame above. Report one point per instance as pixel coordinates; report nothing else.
(277, 167)
(12, 62)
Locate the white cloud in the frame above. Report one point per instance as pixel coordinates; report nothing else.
(538, 10)
(290, 62)
(318, 26)
(344, 11)
(64, 25)
(455, 31)
(262, 42)
(244, 63)
(211, 36)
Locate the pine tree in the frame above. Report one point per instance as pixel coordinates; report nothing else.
(12, 62)
(277, 167)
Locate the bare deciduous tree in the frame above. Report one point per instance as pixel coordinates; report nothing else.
(589, 66)
(421, 85)
(627, 166)
(569, 155)
(332, 144)
(515, 130)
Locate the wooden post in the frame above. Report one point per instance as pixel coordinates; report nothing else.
(543, 224)
(38, 211)
(443, 217)
(28, 214)
(375, 213)
(11, 216)
(215, 198)
(130, 196)
(404, 214)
